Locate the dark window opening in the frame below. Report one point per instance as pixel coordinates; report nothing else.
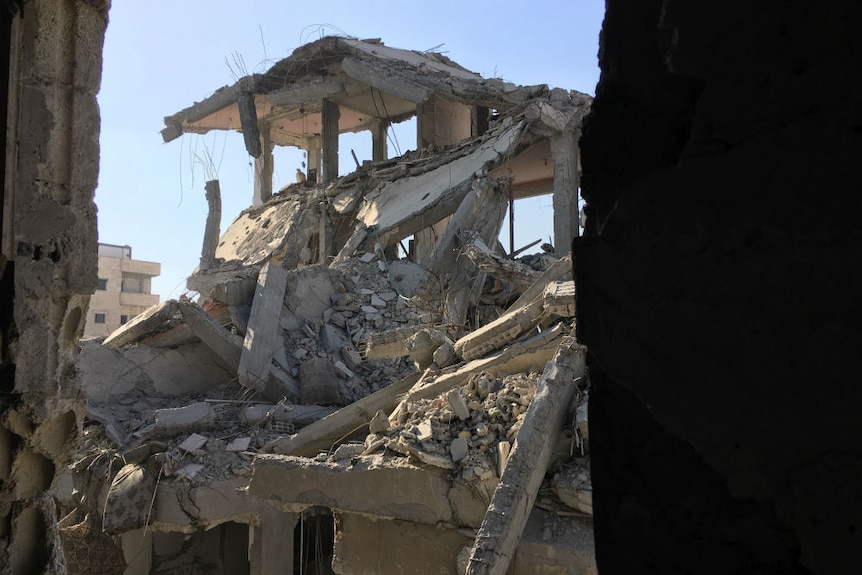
(100, 318)
(123, 319)
(103, 284)
(313, 541)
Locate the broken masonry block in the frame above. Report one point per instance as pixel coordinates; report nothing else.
(379, 423)
(343, 370)
(192, 443)
(318, 384)
(458, 448)
(422, 345)
(458, 404)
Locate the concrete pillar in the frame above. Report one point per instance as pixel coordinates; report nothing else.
(330, 115)
(211, 232)
(564, 151)
(270, 543)
(263, 167)
(313, 159)
(379, 151)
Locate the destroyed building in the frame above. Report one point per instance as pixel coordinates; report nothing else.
(329, 402)
(713, 292)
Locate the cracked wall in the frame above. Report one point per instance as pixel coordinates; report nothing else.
(48, 259)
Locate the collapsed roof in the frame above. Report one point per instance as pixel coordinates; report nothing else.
(319, 356)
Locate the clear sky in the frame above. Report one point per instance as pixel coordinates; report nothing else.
(161, 56)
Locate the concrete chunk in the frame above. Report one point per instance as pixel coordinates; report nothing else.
(262, 336)
(187, 415)
(458, 404)
(458, 449)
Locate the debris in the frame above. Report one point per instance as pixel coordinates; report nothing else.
(193, 443)
(507, 514)
(238, 444)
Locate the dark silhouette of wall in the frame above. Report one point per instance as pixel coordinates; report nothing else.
(718, 288)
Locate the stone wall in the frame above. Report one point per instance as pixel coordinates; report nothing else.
(714, 288)
(48, 259)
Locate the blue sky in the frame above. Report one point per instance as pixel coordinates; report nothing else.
(161, 56)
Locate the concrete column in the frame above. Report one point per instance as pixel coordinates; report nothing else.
(378, 142)
(313, 158)
(263, 167)
(212, 231)
(270, 543)
(330, 115)
(564, 151)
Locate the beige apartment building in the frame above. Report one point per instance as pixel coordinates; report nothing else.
(124, 290)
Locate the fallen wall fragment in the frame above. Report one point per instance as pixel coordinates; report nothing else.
(508, 512)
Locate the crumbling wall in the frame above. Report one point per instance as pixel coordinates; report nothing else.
(48, 261)
(721, 175)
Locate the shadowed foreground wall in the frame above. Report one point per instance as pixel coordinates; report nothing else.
(718, 291)
(52, 58)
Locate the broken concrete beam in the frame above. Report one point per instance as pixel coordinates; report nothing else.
(383, 80)
(482, 210)
(528, 355)
(306, 92)
(323, 434)
(528, 461)
(418, 493)
(263, 335)
(299, 415)
(407, 205)
(389, 344)
(226, 346)
(504, 269)
(501, 331)
(560, 270)
(183, 416)
(559, 298)
(248, 121)
(550, 117)
(155, 319)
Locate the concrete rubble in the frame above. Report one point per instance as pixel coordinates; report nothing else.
(325, 382)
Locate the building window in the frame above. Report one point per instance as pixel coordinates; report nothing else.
(100, 318)
(103, 284)
(123, 319)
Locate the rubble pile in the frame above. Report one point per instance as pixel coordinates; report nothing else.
(363, 326)
(469, 429)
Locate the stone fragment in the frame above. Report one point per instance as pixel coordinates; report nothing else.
(387, 295)
(366, 257)
(377, 302)
(192, 443)
(348, 451)
(351, 357)
(379, 423)
(458, 448)
(444, 355)
(503, 450)
(343, 370)
(370, 310)
(189, 471)
(186, 415)
(238, 444)
(459, 406)
(424, 431)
